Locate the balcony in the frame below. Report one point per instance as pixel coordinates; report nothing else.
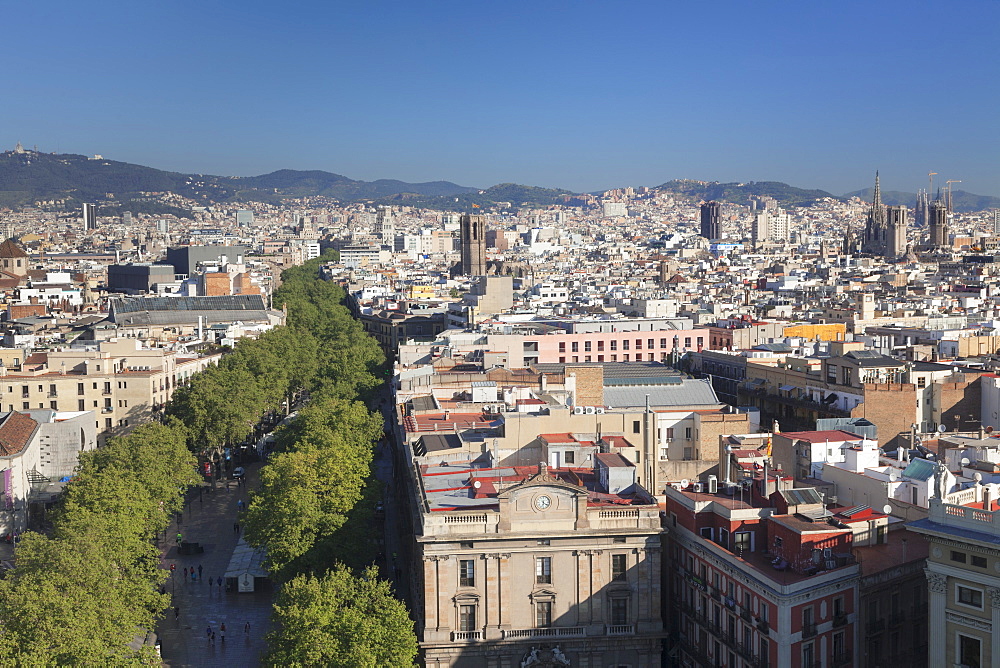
(466, 636)
(841, 659)
(763, 626)
(546, 632)
(620, 629)
(808, 630)
(875, 626)
(839, 619)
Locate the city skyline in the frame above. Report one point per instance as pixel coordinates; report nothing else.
(818, 97)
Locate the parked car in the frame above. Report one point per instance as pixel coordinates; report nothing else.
(238, 472)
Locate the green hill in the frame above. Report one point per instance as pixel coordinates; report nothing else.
(740, 193)
(504, 194)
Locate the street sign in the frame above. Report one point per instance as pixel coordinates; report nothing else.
(246, 582)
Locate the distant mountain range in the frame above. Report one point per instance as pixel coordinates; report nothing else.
(961, 200)
(28, 176)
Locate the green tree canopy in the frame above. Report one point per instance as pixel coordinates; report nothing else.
(341, 620)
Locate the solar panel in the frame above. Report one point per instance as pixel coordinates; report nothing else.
(855, 510)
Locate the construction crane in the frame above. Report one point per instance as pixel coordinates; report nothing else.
(930, 183)
(949, 182)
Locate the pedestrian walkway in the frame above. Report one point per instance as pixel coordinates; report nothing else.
(208, 519)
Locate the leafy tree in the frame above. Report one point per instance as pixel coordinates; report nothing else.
(341, 620)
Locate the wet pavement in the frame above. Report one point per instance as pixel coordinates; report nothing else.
(208, 519)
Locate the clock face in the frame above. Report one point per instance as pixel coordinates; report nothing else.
(543, 502)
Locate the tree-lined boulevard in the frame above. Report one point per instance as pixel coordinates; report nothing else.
(83, 592)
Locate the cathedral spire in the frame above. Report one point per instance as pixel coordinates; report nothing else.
(877, 201)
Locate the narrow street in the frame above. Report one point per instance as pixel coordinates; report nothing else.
(208, 519)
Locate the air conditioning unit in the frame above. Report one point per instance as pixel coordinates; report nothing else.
(698, 487)
(578, 410)
(590, 410)
(827, 553)
(676, 485)
(831, 564)
(713, 484)
(600, 410)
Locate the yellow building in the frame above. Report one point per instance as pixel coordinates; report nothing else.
(828, 331)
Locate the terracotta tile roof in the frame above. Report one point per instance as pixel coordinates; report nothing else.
(16, 430)
(10, 248)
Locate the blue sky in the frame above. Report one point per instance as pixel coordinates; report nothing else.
(580, 95)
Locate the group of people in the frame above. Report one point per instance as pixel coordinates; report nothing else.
(210, 632)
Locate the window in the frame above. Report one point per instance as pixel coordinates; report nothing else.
(26, 405)
(79, 389)
(562, 346)
(466, 573)
(543, 570)
(701, 341)
(958, 556)
(618, 539)
(619, 611)
(638, 344)
(969, 651)
(586, 346)
(649, 344)
(743, 542)
(663, 343)
(687, 341)
(624, 344)
(544, 541)
(614, 344)
(465, 545)
(619, 566)
(808, 654)
(600, 346)
(570, 457)
(543, 614)
(921, 382)
(970, 597)
(575, 346)
(635, 426)
(979, 562)
(706, 533)
(54, 405)
(466, 618)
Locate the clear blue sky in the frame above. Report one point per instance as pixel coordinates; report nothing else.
(581, 95)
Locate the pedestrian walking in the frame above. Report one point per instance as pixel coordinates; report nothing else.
(179, 537)
(246, 628)
(185, 573)
(220, 584)
(236, 528)
(222, 631)
(213, 637)
(177, 613)
(208, 632)
(199, 571)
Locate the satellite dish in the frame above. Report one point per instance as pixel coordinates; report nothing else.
(914, 426)
(978, 477)
(989, 430)
(477, 484)
(887, 509)
(893, 477)
(685, 482)
(965, 461)
(942, 428)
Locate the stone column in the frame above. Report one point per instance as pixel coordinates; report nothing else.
(937, 589)
(503, 596)
(491, 595)
(583, 590)
(596, 586)
(994, 593)
(447, 581)
(431, 613)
